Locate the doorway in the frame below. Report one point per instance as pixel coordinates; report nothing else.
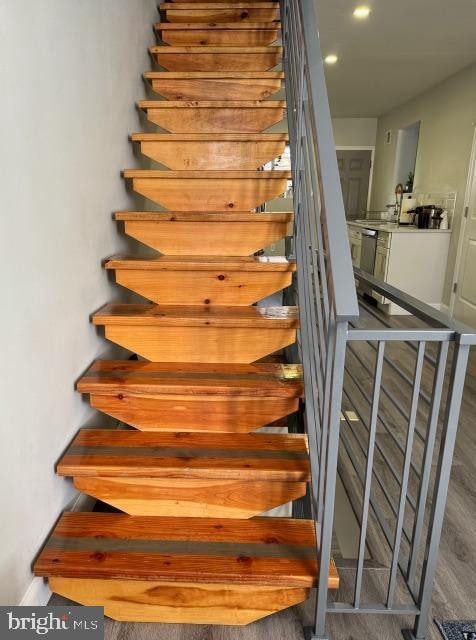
(355, 167)
(463, 301)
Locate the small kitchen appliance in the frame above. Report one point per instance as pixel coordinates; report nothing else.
(407, 205)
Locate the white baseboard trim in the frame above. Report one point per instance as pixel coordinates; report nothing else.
(38, 592)
(444, 308)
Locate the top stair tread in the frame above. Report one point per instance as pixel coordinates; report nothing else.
(242, 26)
(217, 75)
(210, 137)
(265, 457)
(220, 5)
(201, 263)
(197, 316)
(264, 551)
(212, 104)
(277, 174)
(199, 216)
(206, 49)
(144, 378)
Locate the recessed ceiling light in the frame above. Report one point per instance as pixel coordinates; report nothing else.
(331, 58)
(361, 12)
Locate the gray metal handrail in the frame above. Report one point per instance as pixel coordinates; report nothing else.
(395, 439)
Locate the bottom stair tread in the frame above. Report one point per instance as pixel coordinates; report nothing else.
(259, 551)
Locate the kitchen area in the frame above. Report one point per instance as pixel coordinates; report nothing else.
(406, 242)
(405, 246)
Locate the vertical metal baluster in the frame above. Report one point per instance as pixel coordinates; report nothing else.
(338, 333)
(405, 472)
(450, 429)
(434, 413)
(369, 470)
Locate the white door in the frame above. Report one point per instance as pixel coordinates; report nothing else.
(465, 297)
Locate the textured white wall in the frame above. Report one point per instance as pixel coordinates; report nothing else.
(70, 73)
(354, 132)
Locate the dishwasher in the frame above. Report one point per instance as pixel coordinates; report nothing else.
(367, 259)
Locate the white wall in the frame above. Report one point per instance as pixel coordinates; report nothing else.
(354, 132)
(447, 113)
(70, 72)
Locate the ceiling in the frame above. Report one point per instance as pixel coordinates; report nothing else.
(403, 48)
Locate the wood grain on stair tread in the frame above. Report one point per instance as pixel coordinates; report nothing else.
(214, 5)
(232, 33)
(221, 234)
(211, 151)
(111, 377)
(222, 86)
(210, 58)
(270, 457)
(210, 137)
(207, 104)
(208, 49)
(198, 216)
(214, 75)
(207, 175)
(222, 12)
(241, 26)
(197, 316)
(174, 602)
(202, 263)
(220, 116)
(206, 282)
(204, 50)
(208, 190)
(274, 551)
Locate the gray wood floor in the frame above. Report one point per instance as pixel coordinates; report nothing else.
(455, 588)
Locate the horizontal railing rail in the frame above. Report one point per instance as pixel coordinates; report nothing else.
(382, 399)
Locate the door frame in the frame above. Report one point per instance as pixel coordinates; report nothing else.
(372, 155)
(464, 220)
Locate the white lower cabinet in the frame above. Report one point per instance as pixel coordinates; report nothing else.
(412, 260)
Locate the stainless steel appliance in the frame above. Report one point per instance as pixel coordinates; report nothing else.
(369, 249)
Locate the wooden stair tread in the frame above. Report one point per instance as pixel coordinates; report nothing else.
(106, 452)
(111, 377)
(248, 26)
(207, 175)
(265, 551)
(201, 263)
(207, 49)
(197, 316)
(215, 75)
(197, 216)
(211, 104)
(210, 137)
(220, 5)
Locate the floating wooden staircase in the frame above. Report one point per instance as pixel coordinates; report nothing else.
(188, 469)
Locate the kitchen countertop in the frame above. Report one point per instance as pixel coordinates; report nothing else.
(391, 227)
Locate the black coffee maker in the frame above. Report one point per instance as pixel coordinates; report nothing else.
(427, 217)
(421, 218)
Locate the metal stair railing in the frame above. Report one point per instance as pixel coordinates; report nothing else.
(381, 400)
